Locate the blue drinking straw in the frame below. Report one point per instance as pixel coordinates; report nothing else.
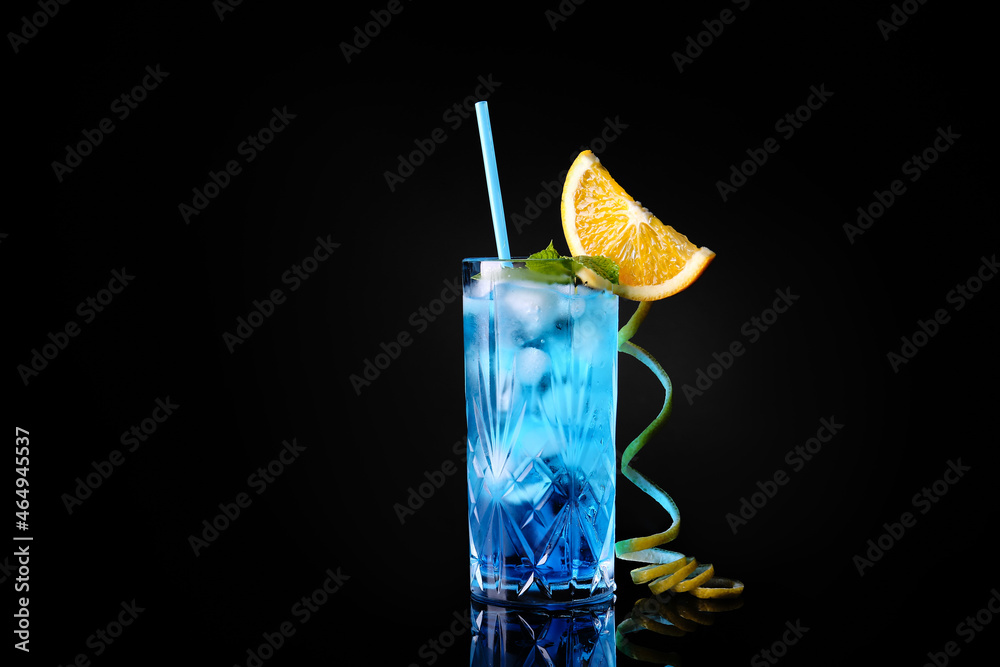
(492, 180)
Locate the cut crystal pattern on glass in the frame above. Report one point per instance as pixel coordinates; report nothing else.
(541, 376)
(572, 636)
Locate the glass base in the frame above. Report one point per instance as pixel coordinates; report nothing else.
(535, 595)
(544, 602)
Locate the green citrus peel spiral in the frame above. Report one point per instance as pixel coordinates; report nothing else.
(665, 570)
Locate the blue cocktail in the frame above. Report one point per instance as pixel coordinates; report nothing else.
(541, 375)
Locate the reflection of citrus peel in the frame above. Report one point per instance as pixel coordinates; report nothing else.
(692, 614)
(669, 629)
(716, 605)
(666, 570)
(641, 653)
(677, 620)
(678, 616)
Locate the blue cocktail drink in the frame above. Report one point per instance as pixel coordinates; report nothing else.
(541, 375)
(541, 343)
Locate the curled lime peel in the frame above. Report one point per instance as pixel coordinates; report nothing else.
(665, 570)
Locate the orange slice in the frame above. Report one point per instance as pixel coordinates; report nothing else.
(601, 219)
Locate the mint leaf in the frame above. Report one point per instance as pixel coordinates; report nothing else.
(557, 266)
(562, 271)
(548, 253)
(602, 266)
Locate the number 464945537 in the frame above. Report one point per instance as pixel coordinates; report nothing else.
(21, 461)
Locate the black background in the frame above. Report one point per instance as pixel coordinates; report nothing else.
(324, 176)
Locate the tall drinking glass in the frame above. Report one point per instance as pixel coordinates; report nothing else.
(541, 391)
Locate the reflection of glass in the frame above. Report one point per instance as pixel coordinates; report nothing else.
(567, 637)
(670, 615)
(541, 373)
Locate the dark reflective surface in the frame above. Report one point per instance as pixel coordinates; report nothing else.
(670, 616)
(655, 630)
(361, 363)
(504, 636)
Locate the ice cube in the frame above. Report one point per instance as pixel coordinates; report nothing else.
(479, 289)
(535, 308)
(586, 338)
(531, 365)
